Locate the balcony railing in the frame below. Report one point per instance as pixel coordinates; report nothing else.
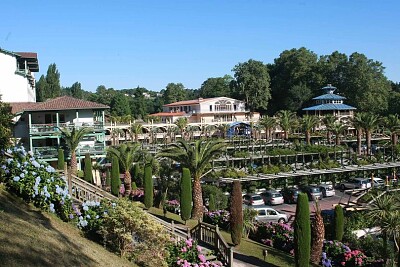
(52, 128)
(51, 152)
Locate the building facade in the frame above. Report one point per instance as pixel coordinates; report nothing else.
(37, 126)
(17, 80)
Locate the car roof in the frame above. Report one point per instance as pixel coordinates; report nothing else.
(360, 179)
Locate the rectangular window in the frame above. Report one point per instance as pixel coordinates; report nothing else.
(210, 107)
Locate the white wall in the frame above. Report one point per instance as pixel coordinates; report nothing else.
(14, 87)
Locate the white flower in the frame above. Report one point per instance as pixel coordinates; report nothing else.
(51, 208)
(85, 208)
(16, 178)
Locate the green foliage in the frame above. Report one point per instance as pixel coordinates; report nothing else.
(216, 87)
(130, 232)
(115, 180)
(236, 219)
(120, 105)
(174, 92)
(186, 194)
(280, 151)
(339, 222)
(211, 203)
(88, 174)
(60, 161)
(219, 198)
(241, 154)
(5, 125)
(148, 187)
(302, 232)
(249, 222)
(108, 177)
(48, 86)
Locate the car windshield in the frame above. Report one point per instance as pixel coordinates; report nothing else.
(315, 190)
(256, 198)
(276, 195)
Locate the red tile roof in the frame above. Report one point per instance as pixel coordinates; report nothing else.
(188, 102)
(167, 114)
(59, 103)
(27, 54)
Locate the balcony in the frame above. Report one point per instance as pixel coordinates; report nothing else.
(52, 128)
(51, 152)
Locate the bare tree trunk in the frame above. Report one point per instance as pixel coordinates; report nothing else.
(128, 183)
(359, 136)
(368, 137)
(73, 163)
(197, 200)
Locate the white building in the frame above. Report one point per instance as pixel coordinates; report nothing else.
(17, 80)
(207, 111)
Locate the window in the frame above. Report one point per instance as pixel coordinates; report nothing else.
(234, 107)
(261, 212)
(271, 212)
(210, 107)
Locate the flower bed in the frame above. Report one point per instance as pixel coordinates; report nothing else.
(219, 217)
(277, 235)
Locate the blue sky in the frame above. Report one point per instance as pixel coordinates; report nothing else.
(125, 44)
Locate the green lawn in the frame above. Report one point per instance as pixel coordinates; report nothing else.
(29, 237)
(247, 247)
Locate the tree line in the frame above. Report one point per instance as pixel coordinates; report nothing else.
(289, 83)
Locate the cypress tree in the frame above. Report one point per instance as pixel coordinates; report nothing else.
(115, 180)
(211, 203)
(302, 232)
(339, 222)
(148, 186)
(61, 160)
(186, 195)
(88, 174)
(236, 218)
(108, 177)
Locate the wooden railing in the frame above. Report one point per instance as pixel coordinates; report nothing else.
(83, 191)
(210, 235)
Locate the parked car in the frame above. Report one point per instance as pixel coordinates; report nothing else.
(267, 214)
(313, 192)
(272, 197)
(378, 182)
(356, 183)
(327, 190)
(290, 194)
(253, 199)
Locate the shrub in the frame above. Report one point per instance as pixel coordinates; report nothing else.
(236, 218)
(277, 235)
(37, 182)
(339, 223)
(211, 203)
(61, 160)
(186, 194)
(187, 253)
(218, 217)
(302, 232)
(172, 206)
(115, 180)
(129, 231)
(148, 187)
(221, 200)
(88, 174)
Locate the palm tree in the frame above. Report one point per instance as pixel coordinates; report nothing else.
(380, 212)
(135, 130)
(338, 129)
(370, 123)
(392, 124)
(286, 119)
(308, 123)
(72, 139)
(181, 123)
(357, 122)
(223, 129)
(329, 121)
(268, 123)
(127, 154)
(196, 157)
(115, 134)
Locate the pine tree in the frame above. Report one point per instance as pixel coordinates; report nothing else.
(186, 194)
(211, 203)
(88, 173)
(236, 218)
(339, 223)
(115, 180)
(302, 232)
(61, 161)
(148, 186)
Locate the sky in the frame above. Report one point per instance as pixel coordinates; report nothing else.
(125, 44)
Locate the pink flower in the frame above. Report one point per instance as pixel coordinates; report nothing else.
(184, 249)
(189, 243)
(343, 263)
(202, 258)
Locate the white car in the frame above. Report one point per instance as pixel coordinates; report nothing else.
(253, 199)
(327, 190)
(267, 214)
(378, 182)
(356, 183)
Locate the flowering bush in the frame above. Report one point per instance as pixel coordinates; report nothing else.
(187, 254)
(277, 235)
(219, 217)
(172, 206)
(137, 194)
(37, 182)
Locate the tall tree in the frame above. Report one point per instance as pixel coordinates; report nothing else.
(302, 232)
(186, 194)
(392, 124)
(236, 218)
(127, 154)
(286, 120)
(135, 130)
(329, 121)
(357, 123)
(174, 92)
(120, 105)
(216, 87)
(61, 160)
(115, 180)
(269, 124)
(49, 86)
(182, 123)
(148, 186)
(88, 173)
(72, 139)
(5, 124)
(369, 123)
(317, 236)
(196, 157)
(76, 90)
(338, 129)
(308, 123)
(252, 84)
(339, 222)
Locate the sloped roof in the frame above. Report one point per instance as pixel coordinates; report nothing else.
(167, 114)
(329, 97)
(330, 107)
(58, 103)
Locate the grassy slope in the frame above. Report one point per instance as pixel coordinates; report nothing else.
(29, 237)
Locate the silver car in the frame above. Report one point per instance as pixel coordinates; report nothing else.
(267, 214)
(327, 190)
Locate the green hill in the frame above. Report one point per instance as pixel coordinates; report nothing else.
(29, 237)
